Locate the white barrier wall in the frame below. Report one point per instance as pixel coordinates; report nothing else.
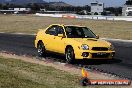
(123, 18)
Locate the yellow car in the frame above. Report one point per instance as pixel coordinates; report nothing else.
(75, 42)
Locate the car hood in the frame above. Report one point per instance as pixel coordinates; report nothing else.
(92, 42)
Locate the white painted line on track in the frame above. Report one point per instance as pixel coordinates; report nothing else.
(119, 40)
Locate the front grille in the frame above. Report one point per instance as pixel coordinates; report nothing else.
(96, 55)
(100, 48)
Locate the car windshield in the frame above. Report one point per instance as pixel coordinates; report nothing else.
(79, 32)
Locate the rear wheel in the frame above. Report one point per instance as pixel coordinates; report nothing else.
(41, 49)
(70, 56)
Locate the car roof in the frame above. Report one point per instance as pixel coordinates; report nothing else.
(75, 25)
(69, 25)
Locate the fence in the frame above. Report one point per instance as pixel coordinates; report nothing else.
(114, 18)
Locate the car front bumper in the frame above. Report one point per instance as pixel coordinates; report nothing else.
(87, 54)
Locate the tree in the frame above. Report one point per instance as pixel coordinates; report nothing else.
(104, 13)
(114, 10)
(35, 7)
(5, 7)
(129, 2)
(1, 6)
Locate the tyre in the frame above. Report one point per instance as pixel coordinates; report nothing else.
(41, 49)
(70, 56)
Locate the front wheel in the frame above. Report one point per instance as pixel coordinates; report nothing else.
(41, 49)
(70, 56)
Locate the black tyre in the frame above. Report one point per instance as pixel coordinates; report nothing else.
(69, 54)
(41, 49)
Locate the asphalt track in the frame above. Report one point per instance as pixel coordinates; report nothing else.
(121, 65)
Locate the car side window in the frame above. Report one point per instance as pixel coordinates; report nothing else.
(52, 30)
(60, 30)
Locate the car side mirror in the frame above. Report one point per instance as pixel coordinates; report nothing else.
(61, 35)
(97, 36)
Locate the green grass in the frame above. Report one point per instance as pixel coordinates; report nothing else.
(19, 74)
(31, 24)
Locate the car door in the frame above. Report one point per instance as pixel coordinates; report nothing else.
(51, 32)
(59, 43)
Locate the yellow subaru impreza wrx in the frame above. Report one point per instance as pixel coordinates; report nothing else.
(75, 42)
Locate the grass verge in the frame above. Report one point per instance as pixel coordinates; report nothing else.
(31, 24)
(15, 73)
(20, 74)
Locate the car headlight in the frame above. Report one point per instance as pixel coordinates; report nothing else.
(85, 47)
(111, 47)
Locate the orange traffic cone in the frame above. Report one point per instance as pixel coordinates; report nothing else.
(85, 80)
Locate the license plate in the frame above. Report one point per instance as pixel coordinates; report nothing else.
(101, 53)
